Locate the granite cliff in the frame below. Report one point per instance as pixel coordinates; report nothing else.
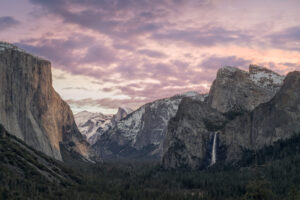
(31, 109)
(244, 111)
(236, 91)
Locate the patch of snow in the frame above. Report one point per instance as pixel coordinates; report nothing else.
(151, 118)
(266, 78)
(5, 45)
(191, 94)
(88, 123)
(131, 126)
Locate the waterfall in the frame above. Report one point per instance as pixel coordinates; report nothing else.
(213, 152)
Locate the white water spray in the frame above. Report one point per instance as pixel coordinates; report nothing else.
(213, 152)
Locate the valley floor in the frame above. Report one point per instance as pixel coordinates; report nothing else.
(271, 173)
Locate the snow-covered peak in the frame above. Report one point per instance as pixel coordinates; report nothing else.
(83, 116)
(126, 109)
(122, 113)
(194, 95)
(264, 77)
(191, 94)
(143, 128)
(88, 123)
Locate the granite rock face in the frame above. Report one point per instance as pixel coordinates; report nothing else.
(140, 134)
(236, 91)
(243, 111)
(31, 109)
(190, 134)
(267, 123)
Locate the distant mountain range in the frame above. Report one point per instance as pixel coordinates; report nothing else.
(91, 125)
(140, 134)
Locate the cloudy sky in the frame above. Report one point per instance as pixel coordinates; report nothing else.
(111, 53)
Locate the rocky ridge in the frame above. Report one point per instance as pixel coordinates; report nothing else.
(92, 125)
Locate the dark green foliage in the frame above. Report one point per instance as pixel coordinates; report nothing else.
(271, 173)
(259, 190)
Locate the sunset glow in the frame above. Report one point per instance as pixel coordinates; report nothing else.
(111, 53)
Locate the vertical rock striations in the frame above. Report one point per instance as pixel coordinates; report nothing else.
(267, 123)
(189, 139)
(31, 109)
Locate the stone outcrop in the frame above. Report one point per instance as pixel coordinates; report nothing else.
(243, 111)
(31, 109)
(122, 113)
(235, 91)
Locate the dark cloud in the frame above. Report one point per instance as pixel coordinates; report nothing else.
(286, 39)
(7, 22)
(124, 45)
(203, 36)
(281, 68)
(215, 62)
(170, 78)
(99, 54)
(63, 53)
(293, 65)
(152, 53)
(150, 94)
(118, 18)
(58, 50)
(180, 65)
